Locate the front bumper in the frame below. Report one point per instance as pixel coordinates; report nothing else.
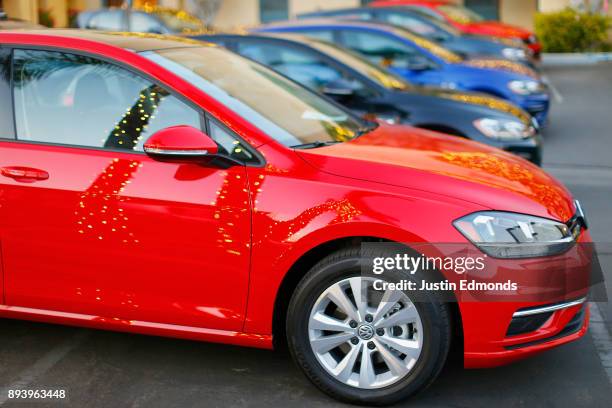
(529, 149)
(500, 332)
(537, 106)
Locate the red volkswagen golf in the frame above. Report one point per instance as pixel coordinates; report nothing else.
(170, 187)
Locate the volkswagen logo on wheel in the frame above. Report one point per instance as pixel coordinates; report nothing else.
(365, 331)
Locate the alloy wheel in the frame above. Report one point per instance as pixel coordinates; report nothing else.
(363, 337)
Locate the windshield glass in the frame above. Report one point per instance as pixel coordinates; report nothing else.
(179, 21)
(284, 110)
(460, 14)
(363, 66)
(430, 46)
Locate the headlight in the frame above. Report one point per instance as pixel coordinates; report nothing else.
(515, 54)
(511, 235)
(504, 129)
(526, 87)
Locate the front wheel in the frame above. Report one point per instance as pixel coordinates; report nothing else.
(361, 345)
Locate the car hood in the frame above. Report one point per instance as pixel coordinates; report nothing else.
(497, 29)
(479, 99)
(501, 65)
(446, 165)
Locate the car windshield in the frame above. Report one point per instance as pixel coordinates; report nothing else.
(363, 66)
(179, 21)
(281, 108)
(460, 14)
(430, 46)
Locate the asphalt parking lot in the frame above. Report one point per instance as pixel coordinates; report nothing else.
(106, 369)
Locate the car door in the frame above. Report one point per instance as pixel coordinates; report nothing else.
(91, 225)
(6, 133)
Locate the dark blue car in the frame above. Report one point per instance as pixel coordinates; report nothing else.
(424, 62)
(434, 30)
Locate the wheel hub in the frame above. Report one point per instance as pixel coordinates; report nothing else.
(365, 332)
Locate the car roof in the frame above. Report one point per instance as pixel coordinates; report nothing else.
(328, 22)
(137, 42)
(265, 36)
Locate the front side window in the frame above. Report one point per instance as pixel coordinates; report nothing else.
(381, 49)
(409, 22)
(70, 99)
(284, 110)
(302, 67)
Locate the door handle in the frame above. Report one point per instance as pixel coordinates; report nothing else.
(24, 174)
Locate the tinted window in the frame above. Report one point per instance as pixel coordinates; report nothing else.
(304, 67)
(6, 106)
(381, 49)
(144, 23)
(409, 22)
(111, 20)
(70, 99)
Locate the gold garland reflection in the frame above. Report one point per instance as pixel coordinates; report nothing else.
(550, 196)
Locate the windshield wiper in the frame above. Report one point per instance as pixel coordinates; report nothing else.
(366, 129)
(315, 144)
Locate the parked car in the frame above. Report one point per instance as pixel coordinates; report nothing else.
(153, 20)
(418, 23)
(173, 188)
(424, 62)
(369, 90)
(467, 21)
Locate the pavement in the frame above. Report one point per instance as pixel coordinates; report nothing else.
(107, 369)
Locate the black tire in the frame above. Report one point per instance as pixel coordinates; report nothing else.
(435, 317)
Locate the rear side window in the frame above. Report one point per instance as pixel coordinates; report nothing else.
(70, 99)
(6, 105)
(112, 20)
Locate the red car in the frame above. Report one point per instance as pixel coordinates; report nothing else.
(467, 21)
(169, 187)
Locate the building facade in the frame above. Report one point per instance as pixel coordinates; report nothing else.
(241, 13)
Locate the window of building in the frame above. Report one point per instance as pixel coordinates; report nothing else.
(273, 10)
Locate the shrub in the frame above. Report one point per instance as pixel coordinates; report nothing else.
(569, 30)
(45, 17)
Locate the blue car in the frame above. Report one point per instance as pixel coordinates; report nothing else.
(435, 30)
(423, 62)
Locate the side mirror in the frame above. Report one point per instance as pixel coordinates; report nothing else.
(180, 144)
